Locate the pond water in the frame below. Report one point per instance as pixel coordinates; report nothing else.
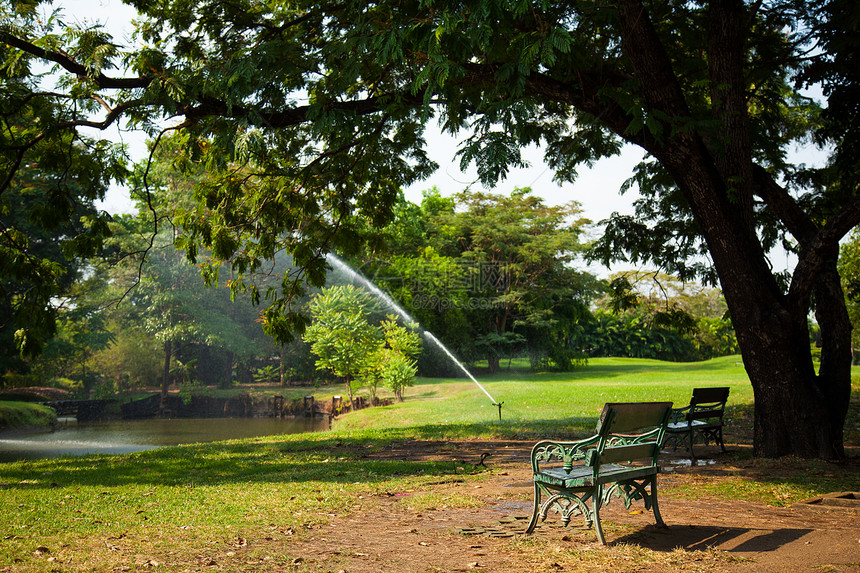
(124, 436)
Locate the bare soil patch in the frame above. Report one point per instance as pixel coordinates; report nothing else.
(705, 534)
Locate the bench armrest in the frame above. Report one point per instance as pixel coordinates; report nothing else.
(679, 414)
(566, 452)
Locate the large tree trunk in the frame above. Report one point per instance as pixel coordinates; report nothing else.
(226, 378)
(282, 367)
(796, 411)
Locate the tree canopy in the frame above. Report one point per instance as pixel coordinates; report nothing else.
(491, 274)
(308, 118)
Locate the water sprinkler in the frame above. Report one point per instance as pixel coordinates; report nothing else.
(368, 284)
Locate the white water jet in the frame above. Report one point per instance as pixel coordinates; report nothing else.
(369, 285)
(444, 348)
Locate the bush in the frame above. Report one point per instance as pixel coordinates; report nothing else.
(75, 386)
(18, 381)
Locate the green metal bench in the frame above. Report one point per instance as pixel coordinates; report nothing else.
(620, 459)
(700, 421)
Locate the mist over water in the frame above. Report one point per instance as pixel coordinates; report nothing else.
(72, 438)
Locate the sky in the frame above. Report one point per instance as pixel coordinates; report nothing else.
(596, 189)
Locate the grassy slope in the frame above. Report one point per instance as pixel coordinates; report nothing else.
(23, 414)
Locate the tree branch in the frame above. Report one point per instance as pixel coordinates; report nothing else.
(65, 61)
(23, 148)
(582, 95)
(786, 209)
(209, 106)
(820, 249)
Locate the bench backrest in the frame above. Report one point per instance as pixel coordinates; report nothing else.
(630, 431)
(708, 403)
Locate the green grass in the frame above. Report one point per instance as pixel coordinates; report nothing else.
(24, 414)
(780, 482)
(172, 503)
(537, 404)
(188, 507)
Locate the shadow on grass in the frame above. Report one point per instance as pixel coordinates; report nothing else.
(348, 457)
(320, 457)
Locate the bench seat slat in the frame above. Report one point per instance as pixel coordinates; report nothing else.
(697, 424)
(583, 476)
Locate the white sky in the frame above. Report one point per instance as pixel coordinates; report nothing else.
(596, 189)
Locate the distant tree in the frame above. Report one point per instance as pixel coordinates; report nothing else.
(133, 359)
(165, 297)
(494, 276)
(432, 288)
(83, 330)
(652, 315)
(849, 270)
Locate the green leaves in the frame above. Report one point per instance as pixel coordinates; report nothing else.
(350, 346)
(489, 268)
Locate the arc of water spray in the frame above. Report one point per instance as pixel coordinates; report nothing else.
(458, 363)
(356, 276)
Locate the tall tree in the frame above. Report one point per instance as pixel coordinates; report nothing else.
(516, 251)
(493, 277)
(307, 115)
(48, 230)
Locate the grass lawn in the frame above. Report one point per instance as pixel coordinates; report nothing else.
(168, 509)
(557, 404)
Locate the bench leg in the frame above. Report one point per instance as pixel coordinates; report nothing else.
(596, 502)
(654, 506)
(533, 520)
(690, 440)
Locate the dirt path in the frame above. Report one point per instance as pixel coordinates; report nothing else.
(707, 535)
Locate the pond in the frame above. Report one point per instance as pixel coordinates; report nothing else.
(123, 436)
